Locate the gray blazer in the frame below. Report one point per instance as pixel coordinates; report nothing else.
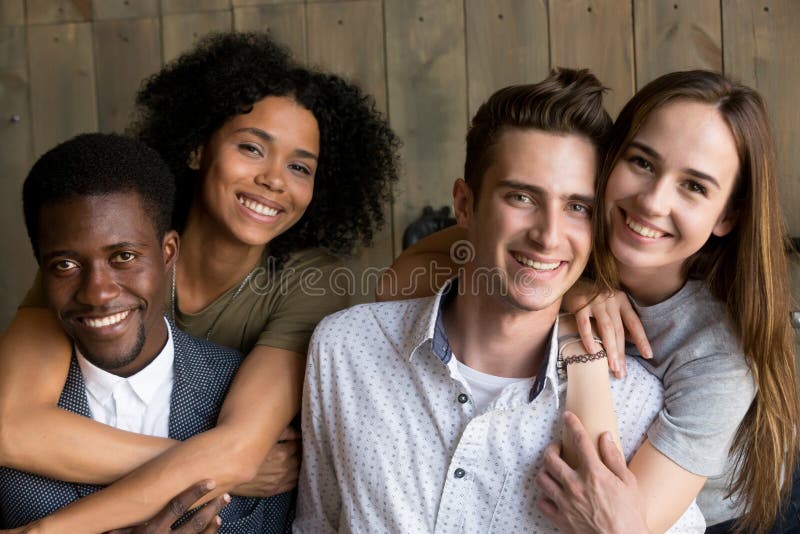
(203, 373)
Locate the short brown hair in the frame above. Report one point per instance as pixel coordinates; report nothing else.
(568, 101)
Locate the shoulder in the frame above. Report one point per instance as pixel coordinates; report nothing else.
(312, 258)
(217, 356)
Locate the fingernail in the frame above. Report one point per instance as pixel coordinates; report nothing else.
(648, 354)
(226, 498)
(209, 485)
(607, 437)
(218, 520)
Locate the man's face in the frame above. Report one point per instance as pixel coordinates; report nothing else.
(531, 227)
(104, 274)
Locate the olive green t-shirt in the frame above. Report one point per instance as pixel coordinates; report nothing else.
(279, 310)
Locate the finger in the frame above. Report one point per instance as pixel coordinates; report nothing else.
(289, 433)
(551, 512)
(587, 454)
(636, 333)
(584, 320)
(605, 327)
(205, 516)
(549, 486)
(612, 457)
(179, 505)
(557, 468)
(619, 336)
(213, 526)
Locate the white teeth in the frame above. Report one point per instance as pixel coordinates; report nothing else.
(642, 230)
(105, 321)
(539, 266)
(261, 209)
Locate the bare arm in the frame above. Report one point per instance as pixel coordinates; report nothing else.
(263, 398)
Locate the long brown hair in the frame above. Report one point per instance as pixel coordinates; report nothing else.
(747, 269)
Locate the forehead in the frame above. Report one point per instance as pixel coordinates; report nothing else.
(561, 164)
(282, 117)
(86, 223)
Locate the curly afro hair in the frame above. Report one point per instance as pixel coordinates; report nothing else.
(224, 75)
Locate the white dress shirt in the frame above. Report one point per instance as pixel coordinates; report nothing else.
(139, 403)
(392, 441)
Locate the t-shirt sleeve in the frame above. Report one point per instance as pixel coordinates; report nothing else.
(705, 399)
(308, 293)
(34, 298)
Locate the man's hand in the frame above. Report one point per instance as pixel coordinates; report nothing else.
(205, 520)
(601, 496)
(279, 470)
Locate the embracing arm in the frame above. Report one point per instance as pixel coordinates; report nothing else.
(262, 400)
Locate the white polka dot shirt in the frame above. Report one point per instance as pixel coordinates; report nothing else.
(392, 441)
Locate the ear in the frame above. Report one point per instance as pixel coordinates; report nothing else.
(194, 158)
(463, 202)
(170, 247)
(726, 223)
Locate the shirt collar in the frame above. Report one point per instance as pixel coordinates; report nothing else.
(145, 383)
(433, 331)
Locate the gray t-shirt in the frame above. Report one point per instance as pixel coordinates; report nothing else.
(708, 389)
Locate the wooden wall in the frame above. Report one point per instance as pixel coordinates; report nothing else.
(69, 66)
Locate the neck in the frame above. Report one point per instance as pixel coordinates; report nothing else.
(492, 336)
(211, 262)
(651, 286)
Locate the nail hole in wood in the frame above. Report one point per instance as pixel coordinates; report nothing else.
(422, 19)
(675, 6)
(766, 8)
(340, 22)
(500, 16)
(589, 9)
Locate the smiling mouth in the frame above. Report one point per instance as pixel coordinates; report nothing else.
(644, 231)
(539, 266)
(257, 207)
(108, 320)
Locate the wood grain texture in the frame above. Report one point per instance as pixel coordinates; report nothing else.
(175, 7)
(12, 12)
(425, 60)
(506, 44)
(54, 11)
(597, 34)
(244, 3)
(284, 22)
(181, 32)
(125, 9)
(126, 52)
(62, 73)
(676, 35)
(761, 42)
(16, 157)
(347, 38)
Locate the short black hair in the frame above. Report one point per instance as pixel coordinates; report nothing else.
(224, 75)
(99, 164)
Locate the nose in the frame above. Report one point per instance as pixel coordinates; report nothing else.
(98, 287)
(546, 231)
(655, 199)
(271, 176)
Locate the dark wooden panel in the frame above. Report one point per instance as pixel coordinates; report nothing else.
(125, 9)
(285, 22)
(174, 7)
(761, 42)
(126, 52)
(425, 59)
(63, 97)
(676, 35)
(12, 12)
(16, 157)
(506, 44)
(181, 32)
(347, 38)
(50, 11)
(597, 34)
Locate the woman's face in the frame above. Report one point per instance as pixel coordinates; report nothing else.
(668, 192)
(258, 170)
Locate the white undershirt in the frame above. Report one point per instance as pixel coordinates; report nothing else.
(484, 387)
(139, 403)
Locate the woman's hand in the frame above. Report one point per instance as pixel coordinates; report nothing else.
(279, 471)
(613, 315)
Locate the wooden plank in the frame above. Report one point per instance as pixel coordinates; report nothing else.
(63, 98)
(506, 44)
(246, 3)
(176, 7)
(12, 12)
(676, 35)
(125, 9)
(16, 155)
(597, 34)
(181, 32)
(126, 52)
(348, 38)
(760, 46)
(55, 11)
(427, 87)
(286, 23)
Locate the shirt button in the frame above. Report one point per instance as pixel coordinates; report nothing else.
(462, 398)
(459, 473)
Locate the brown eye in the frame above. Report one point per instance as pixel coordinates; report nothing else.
(124, 257)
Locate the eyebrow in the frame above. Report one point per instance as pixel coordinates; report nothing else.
(107, 248)
(269, 138)
(536, 190)
(693, 172)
